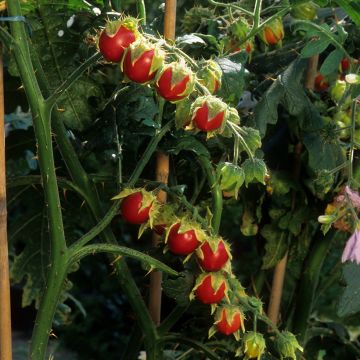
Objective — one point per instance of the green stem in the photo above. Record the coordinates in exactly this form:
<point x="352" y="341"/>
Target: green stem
<point x="116" y="5"/>
<point x="97" y="229"/>
<point x="352" y="145"/>
<point x="308" y="285"/>
<point x="257" y="12"/>
<point x="172" y="318"/>
<point x="231" y="5"/>
<point x="81" y="179"/>
<point x="141" y="10"/>
<point x="76" y="254"/>
<point x="194" y="344"/>
<point x="215" y="190"/>
<point x="41" y="122"/>
<point x="50" y="101"/>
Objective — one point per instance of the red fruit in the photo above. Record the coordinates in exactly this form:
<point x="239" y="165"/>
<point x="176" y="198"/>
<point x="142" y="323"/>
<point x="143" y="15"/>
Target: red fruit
<point x="130" y="209"/>
<point x="213" y="261"/>
<point x="217" y="86"/>
<point x="202" y="122"/>
<point x="345" y="64"/>
<point x="321" y="83"/>
<point x="182" y="243"/>
<point x="229" y="326"/>
<point x="139" y="70"/>
<point x="113" y="44"/>
<point x="270" y="37"/>
<point x="206" y="293"/>
<point x="175" y="82"/>
<point x="272" y="33"/>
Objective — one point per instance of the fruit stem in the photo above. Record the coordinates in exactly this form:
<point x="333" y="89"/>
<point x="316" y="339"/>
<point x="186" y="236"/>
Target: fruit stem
<point x="141" y="10"/>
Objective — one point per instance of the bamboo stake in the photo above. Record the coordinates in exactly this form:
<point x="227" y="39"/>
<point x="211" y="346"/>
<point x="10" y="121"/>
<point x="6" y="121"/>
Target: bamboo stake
<point x="280" y="268"/>
<point x="5" y="308"/>
<point x="162" y="173"/>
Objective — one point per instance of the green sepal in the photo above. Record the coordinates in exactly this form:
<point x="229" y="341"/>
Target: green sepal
<point x="182" y="114"/>
<point x="129" y="22"/>
<point x="209" y="74"/>
<point x="139" y="47"/>
<point x="187" y="224"/>
<point x="255" y="169"/>
<point x="217" y="279"/>
<point x="287" y="345"/>
<point x="148" y="199"/>
<point x="213" y="242"/>
<point x="231" y="311"/>
<point x="230" y="177"/>
<point x="179" y="71"/>
<point x="254" y="345"/>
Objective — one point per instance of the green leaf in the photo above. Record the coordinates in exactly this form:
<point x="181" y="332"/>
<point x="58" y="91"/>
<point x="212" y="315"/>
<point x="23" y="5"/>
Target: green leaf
<point x="233" y="80"/>
<point x="352" y="8"/>
<point x="349" y="303"/>
<point x="74" y="108"/>
<point x="314" y="47"/>
<point x="255" y="170"/>
<point x="286" y="90"/>
<point x="251" y="137"/>
<point x="275" y="247"/>
<point x="190" y="143"/>
<point x="179" y="288"/>
<point x="331" y="63"/>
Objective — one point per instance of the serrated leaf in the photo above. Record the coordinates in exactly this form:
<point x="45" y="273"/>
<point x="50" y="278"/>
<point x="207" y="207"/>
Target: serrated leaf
<point x="314" y="47"/>
<point x="349" y="303"/>
<point x="255" y="170"/>
<point x="179" y="288"/>
<point x="251" y="137"/>
<point x="275" y="247"/>
<point x="190" y="143"/>
<point x="233" y="80"/>
<point x="331" y="63"/>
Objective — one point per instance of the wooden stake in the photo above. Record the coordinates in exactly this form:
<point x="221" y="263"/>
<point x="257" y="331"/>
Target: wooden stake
<point x="162" y="173"/>
<point x="280" y="268"/>
<point x="5" y="308"/>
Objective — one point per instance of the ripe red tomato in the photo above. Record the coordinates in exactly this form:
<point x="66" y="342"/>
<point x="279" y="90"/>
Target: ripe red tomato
<point x="130" y="209"/>
<point x="345" y="64"/>
<point x="202" y="121"/>
<point x="213" y="261"/>
<point x="206" y="293"/>
<point x="182" y="243"/>
<point x="170" y="91"/>
<point x="229" y="326"/>
<point x="112" y="46"/>
<point x="139" y="70"/>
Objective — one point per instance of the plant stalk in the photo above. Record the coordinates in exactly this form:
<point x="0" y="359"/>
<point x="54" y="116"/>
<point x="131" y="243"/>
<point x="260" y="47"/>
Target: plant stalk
<point x="5" y="305"/>
<point x="41" y="122"/>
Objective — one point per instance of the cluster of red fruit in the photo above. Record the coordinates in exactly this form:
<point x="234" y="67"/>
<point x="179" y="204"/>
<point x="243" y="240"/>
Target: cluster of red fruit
<point x="143" y="61"/>
<point x="184" y="237"/>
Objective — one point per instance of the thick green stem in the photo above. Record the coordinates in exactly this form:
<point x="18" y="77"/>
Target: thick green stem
<point x="215" y="190"/>
<point x="308" y="285"/>
<point x="41" y="122"/>
<point x="141" y="10"/>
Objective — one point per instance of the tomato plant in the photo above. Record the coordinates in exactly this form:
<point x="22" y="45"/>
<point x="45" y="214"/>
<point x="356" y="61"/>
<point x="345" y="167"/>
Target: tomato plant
<point x="256" y="186"/>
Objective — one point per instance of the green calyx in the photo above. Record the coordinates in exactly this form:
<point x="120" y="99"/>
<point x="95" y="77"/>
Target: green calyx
<point x="217" y="280"/>
<point x="209" y="75"/>
<point x="287" y="345"/>
<point x="148" y="200"/>
<point x="179" y="71"/>
<point x="305" y="11"/>
<point x="187" y="224"/>
<point x="238" y="30"/>
<point x="128" y="22"/>
<point x="230" y="177"/>
<point x="140" y="46"/>
<point x="254" y="345"/>
<point x="276" y="28"/>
